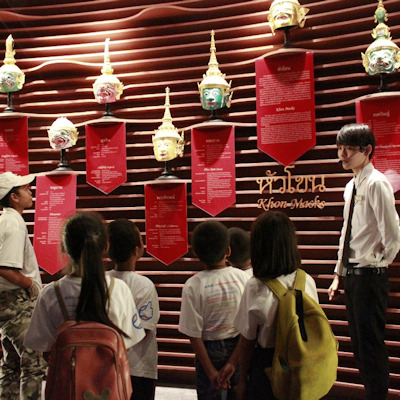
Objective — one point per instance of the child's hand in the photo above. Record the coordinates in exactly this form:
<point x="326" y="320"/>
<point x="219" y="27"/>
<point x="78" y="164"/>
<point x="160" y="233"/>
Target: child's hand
<point x="34" y="290"/>
<point x="224" y="376"/>
<point x="213" y="377"/>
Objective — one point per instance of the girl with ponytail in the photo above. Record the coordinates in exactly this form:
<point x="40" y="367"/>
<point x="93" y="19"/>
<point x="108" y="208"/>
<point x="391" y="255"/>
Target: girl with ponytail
<point x="86" y="290"/>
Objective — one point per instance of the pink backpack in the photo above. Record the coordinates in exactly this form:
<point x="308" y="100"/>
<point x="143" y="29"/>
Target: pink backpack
<point x="88" y="361"/>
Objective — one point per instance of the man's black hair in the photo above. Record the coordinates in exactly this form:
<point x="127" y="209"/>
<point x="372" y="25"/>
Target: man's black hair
<point x="357" y="135"/>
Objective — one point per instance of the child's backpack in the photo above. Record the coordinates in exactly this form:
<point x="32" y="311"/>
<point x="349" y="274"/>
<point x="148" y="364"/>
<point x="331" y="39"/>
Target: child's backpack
<point x="88" y="361"/>
<point x="305" y="361"/>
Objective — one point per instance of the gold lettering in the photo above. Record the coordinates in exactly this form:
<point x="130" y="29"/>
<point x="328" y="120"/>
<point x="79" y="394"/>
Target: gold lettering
<point x="290" y="189"/>
<point x="268" y="204"/>
<point x="300" y="179"/>
<point x="303" y="184"/>
<point x="269" y="180"/>
<point x="301" y="203"/>
<point x="321" y="187"/>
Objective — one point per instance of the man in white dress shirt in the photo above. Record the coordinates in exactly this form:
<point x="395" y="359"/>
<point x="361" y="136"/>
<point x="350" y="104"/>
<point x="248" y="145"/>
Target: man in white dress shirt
<point x="371" y="225"/>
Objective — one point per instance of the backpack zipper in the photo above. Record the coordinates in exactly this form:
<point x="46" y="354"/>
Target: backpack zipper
<point x="73" y="363"/>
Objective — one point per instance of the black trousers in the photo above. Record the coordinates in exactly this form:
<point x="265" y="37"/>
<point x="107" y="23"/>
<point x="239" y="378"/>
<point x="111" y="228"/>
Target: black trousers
<point x="366" y="302"/>
<point x="258" y="385"/>
<point x="143" y="388"/>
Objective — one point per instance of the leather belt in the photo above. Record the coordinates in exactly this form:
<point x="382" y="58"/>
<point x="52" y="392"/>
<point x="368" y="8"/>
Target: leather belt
<point x="366" y="271"/>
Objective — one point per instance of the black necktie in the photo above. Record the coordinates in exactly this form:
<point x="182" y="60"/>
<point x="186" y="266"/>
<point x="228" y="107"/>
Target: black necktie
<point x="346" y="245"/>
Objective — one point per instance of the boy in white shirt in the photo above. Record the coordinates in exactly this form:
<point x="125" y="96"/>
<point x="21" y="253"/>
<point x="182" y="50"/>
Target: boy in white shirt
<point x="240" y="250"/>
<point x="22" y="369"/>
<point x="126" y="248"/>
<point x="210" y="300"/>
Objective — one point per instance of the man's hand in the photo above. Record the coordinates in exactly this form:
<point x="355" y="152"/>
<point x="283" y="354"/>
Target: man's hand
<point x="333" y="290"/>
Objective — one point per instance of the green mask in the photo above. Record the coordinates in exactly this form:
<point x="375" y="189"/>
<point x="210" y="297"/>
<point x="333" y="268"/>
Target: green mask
<point x="212" y="99"/>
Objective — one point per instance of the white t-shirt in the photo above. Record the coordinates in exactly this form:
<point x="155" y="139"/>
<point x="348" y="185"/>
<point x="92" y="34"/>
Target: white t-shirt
<point x="47" y="316"/>
<point x="210" y="300"/>
<point x="16" y="249"/>
<point x="248" y="272"/>
<point x="256" y="317"/>
<point x="143" y="356"/>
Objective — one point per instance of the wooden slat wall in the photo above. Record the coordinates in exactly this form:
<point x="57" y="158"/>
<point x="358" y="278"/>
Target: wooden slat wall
<point x="166" y="43"/>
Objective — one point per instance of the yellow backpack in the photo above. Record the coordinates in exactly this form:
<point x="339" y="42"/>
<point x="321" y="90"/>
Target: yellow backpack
<point x="305" y="361"/>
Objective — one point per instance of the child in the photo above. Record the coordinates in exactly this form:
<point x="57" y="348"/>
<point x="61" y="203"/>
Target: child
<point x="22" y="370"/>
<point x="85" y="290"/>
<point x="126" y="248"/>
<point x="210" y="300"/>
<point x="240" y="250"/>
<point x="274" y="254"/>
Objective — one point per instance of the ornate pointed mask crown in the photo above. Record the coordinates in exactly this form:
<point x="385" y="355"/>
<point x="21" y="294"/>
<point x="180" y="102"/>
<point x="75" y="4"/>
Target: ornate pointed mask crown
<point x="168" y="144"/>
<point x="107" y="88"/>
<point x="382" y="55"/>
<point x="214" y="79"/>
<point x="11" y="77"/>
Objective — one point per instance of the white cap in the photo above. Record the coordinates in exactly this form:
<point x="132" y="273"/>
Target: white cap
<point x="8" y="180"/>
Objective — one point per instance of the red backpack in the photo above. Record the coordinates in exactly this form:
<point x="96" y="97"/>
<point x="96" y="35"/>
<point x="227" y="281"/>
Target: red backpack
<point x="88" y="361"/>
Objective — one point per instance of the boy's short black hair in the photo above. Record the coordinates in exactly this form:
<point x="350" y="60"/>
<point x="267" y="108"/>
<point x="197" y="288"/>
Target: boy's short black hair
<point x="124" y="237"/>
<point x="5" y="201"/>
<point x="273" y="245"/>
<point x="240" y="246"/>
<point x="210" y="242"/>
<point x="356" y="135"/>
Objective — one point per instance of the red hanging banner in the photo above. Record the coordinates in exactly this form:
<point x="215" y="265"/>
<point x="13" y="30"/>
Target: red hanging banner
<point x="55" y="200"/>
<point x="213" y="169"/>
<point x="14" y="145"/>
<point x="285" y="105"/>
<point x="106" y="156"/>
<point x="166" y="221"/>
<point x="381" y="111"/>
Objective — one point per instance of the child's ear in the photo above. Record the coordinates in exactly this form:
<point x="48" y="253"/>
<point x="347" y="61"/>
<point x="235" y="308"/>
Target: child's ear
<point x="228" y="251"/>
<point x="13" y="198"/>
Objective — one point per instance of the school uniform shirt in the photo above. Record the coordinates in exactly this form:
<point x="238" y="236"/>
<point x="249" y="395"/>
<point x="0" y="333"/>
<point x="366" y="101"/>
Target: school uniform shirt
<point x="143" y="356"/>
<point x="210" y="300"/>
<point x="47" y="316"/>
<point x="375" y="232"/>
<point x="16" y="250"/>
<point x="256" y="317"/>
